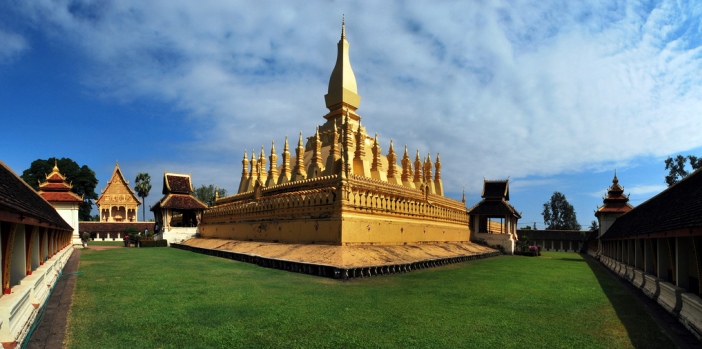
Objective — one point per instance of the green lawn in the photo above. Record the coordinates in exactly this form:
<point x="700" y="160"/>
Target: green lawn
<point x="168" y="298"/>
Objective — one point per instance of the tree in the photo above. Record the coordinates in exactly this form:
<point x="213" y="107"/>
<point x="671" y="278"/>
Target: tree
<point x="81" y="177"/>
<point x="559" y="214"/>
<point x="206" y="194"/>
<point x="594" y="225"/>
<point x="676" y="167"/>
<point x="142" y="185"/>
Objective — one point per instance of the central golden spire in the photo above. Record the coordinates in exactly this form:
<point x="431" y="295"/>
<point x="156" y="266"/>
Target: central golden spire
<point x="342" y="83"/>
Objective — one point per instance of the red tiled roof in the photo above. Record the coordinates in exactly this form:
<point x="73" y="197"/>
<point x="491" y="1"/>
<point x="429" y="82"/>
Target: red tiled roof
<point x="54" y="186"/>
<point x="57" y="196"/>
<point x="18" y="198"/>
<point x="180" y="202"/>
<point x="176" y="183"/>
<point x="114" y="227"/>
<point x="55" y="189"/>
<point x="615" y="201"/>
<point x="55" y="177"/>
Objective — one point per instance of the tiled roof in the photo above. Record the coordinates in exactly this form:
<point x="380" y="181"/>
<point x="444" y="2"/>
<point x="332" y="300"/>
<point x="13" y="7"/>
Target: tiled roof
<point x="615" y="201"/>
<point x="496" y="189"/>
<point x="493" y="208"/>
<point x="18" y="198"/>
<point x="180" y="202"/>
<point x="58" y="196"/>
<point x="566" y="235"/>
<point x="678" y="207"/>
<point x="176" y="183"/>
<point x="113" y="227"/>
<point x="54" y="186"/>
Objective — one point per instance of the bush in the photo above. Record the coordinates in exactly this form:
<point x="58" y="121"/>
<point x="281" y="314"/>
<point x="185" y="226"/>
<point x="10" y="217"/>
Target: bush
<point x="526" y="247"/>
<point x="153" y="243"/>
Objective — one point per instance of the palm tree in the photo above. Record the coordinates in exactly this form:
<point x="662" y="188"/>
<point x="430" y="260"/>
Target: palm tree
<point x="142" y="185"/>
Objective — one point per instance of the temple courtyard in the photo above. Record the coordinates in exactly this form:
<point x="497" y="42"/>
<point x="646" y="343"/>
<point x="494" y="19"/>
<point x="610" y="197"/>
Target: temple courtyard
<point x="168" y="298"/>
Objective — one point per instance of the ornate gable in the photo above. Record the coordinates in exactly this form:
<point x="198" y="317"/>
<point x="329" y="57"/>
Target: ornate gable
<point x="118" y="202"/>
<point x="118" y="190"/>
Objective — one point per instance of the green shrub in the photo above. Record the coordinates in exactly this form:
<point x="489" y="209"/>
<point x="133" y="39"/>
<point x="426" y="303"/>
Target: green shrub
<point x="153" y="243"/>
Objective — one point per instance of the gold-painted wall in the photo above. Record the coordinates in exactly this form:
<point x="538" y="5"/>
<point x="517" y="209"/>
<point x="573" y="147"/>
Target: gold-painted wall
<point x="331" y="210"/>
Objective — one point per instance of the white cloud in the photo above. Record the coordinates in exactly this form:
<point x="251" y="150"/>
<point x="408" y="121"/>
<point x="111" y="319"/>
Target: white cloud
<point x="646" y="190"/>
<point x="12" y="45"/>
<point x="498" y="88"/>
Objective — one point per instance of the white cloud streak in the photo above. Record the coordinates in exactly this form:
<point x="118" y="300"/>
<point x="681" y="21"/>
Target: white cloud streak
<point x="498" y="88"/>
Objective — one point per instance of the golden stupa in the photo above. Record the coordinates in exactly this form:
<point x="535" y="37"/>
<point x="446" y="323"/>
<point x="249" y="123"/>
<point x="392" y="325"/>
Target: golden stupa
<point x="340" y="190"/>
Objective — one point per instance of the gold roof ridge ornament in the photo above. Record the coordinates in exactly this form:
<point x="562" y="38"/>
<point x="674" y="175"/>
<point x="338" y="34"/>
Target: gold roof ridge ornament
<point x="342" y="90"/>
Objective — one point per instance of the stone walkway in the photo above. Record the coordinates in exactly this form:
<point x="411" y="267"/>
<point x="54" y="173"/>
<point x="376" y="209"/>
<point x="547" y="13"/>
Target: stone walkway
<point x="52" y="326"/>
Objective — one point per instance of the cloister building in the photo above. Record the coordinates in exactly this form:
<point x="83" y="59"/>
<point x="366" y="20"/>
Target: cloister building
<point x="35" y="243"/>
<point x="657" y="246"/>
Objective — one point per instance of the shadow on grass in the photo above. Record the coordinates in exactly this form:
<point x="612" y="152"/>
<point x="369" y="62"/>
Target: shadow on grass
<point x="630" y="312"/>
<point x="571" y="259"/>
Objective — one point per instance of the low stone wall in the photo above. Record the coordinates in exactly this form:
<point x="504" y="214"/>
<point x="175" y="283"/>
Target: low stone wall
<point x="19" y="309"/>
<point x="179" y="234"/>
<point x="496" y="241"/>
<point x="687" y="307"/>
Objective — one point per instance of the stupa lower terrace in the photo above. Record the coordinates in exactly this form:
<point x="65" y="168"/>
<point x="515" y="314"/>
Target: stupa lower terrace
<point x="339" y="194"/>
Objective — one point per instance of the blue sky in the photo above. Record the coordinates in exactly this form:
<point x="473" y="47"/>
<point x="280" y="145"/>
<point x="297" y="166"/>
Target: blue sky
<point x="553" y="95"/>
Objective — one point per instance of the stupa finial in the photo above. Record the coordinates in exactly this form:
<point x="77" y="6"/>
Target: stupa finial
<point x="342" y="91"/>
<point x="343" y="26"/>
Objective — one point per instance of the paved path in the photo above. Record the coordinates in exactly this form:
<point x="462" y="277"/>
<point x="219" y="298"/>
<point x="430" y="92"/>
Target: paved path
<point x="52" y="326"/>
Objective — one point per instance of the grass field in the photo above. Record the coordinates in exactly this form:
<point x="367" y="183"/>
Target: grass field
<point x="168" y="298"/>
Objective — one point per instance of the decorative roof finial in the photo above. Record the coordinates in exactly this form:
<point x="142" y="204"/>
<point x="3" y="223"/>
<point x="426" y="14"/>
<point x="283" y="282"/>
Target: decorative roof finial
<point x="343" y="27"/>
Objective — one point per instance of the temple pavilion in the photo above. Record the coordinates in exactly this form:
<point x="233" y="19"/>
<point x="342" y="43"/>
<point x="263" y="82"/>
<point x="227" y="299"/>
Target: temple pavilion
<point x="58" y="193"/>
<point x="340" y="189"/>
<point x="118" y="202"/>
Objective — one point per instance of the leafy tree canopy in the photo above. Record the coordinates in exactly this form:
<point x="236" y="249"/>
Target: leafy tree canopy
<point x="82" y="178"/>
<point x="142" y="186"/>
<point x="206" y="194"/>
<point x="559" y="214"/>
<point x="676" y="167"/>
